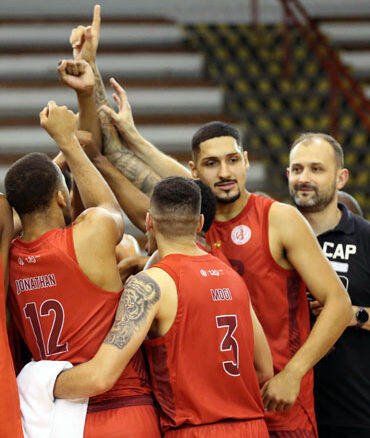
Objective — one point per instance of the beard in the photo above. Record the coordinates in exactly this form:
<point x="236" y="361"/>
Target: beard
<point x="317" y="202"/>
<point x="228" y="200"/>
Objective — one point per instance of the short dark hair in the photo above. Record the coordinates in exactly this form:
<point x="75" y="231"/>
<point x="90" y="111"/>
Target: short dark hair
<point x="175" y="206"/>
<point x="337" y="148"/>
<point x="214" y="130"/>
<point x="30" y="183"/>
<point x="208" y="204"/>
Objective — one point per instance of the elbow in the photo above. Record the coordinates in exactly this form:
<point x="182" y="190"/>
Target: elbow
<point x="101" y="384"/>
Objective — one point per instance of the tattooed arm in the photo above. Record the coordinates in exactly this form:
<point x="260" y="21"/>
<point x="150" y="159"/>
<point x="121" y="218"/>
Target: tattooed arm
<point x="84" y="41"/>
<point x="145" y="299"/>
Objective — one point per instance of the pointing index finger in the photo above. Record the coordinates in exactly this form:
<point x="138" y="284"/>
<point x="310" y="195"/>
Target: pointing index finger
<point x="96" y="20"/>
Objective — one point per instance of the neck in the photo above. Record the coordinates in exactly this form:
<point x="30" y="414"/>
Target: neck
<point x="186" y="246"/>
<point x="226" y="212"/>
<point x="326" y="219"/>
<point x="36" y="224"/>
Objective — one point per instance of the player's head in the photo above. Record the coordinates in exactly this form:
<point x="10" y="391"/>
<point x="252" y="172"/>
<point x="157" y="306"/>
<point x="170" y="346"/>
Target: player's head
<point x="315" y="171"/>
<point x="175" y="208"/>
<point x="351" y="203"/>
<point x="32" y="183"/>
<point x="219" y="160"/>
<point x="207" y="205"/>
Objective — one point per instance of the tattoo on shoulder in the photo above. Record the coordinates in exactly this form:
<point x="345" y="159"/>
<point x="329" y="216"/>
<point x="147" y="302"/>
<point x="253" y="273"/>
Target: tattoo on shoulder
<point x="138" y="297"/>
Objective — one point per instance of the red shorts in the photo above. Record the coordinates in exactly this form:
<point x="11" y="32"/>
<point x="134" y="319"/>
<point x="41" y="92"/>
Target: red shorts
<point x="223" y="429"/>
<point x="125" y="422"/>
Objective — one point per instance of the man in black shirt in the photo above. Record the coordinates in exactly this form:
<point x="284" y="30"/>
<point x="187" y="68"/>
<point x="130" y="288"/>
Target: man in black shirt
<point x="342" y="377"/>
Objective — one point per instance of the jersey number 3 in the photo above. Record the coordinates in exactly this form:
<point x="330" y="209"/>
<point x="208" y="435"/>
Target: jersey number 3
<point x="48" y="306"/>
<point x="229" y="343"/>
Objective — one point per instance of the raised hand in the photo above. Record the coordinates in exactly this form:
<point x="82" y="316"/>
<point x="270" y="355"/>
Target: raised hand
<point x="85" y="40"/>
<point x="123" y="118"/>
<point x="60" y="123"/>
<point x="77" y="75"/>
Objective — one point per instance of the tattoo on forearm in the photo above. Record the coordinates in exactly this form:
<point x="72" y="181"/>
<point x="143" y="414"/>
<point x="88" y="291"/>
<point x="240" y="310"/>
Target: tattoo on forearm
<point x="139" y="296"/>
<point x="141" y="175"/>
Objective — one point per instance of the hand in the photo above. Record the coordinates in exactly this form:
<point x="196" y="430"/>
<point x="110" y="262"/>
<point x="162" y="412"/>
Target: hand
<point x="77" y="75"/>
<point x="88" y="144"/>
<point x="123" y="118"/>
<point x="85" y="40"/>
<point x="60" y="123"/>
<point x="316" y="307"/>
<point x="280" y="392"/>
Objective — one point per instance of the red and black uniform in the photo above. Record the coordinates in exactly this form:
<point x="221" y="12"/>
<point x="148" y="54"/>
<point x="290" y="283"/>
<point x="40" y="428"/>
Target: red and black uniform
<point x="62" y="315"/>
<point x="202" y="369"/>
<point x="10" y="414"/>
<point x="279" y="299"/>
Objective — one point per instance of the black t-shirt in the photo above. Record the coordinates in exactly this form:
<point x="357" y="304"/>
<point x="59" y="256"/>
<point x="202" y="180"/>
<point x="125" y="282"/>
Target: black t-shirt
<point x="342" y="377"/>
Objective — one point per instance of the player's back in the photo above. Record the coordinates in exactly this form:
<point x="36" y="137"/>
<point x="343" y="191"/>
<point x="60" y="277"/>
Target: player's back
<point x="10" y="417"/>
<point x="59" y="312"/>
<point x="202" y="368"/>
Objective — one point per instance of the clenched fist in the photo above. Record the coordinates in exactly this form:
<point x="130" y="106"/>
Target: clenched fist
<point x="77" y="75"/>
<point x="60" y="123"/>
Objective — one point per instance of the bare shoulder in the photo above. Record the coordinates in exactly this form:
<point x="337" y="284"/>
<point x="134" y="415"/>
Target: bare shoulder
<point x="280" y="213"/>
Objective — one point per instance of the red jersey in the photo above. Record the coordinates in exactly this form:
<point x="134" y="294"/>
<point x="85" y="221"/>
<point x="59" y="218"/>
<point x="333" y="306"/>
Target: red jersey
<point x="202" y="368"/>
<point x="60" y="313"/>
<point x="278" y="296"/>
<point x="10" y="414"/>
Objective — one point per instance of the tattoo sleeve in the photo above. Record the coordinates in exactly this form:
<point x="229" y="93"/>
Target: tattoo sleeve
<point x="139" y="173"/>
<point x="138" y="298"/>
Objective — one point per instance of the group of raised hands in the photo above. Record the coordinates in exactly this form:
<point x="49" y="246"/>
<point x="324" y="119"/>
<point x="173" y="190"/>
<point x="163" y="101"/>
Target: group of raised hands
<point x="80" y="75"/>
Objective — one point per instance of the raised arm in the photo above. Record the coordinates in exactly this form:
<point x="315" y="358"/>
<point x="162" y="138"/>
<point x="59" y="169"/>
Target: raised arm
<point x="164" y="165"/>
<point x="304" y="254"/>
<point x="136" y="311"/>
<point x="132" y="200"/>
<point x="84" y="41"/>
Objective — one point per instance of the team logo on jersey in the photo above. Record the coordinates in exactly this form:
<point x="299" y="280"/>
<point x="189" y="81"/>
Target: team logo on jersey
<point x="20" y="261"/>
<point x="203" y="272"/>
<point x="241" y="234"/>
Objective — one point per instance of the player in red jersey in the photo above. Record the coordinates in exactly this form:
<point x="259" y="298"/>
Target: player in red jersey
<point x="64" y="282"/>
<point x="10" y="415"/>
<point x="205" y="341"/>
<point x="273" y="248"/>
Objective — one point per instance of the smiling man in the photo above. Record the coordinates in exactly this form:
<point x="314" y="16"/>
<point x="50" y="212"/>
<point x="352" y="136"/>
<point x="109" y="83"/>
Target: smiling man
<point x="273" y="248"/>
<point x="342" y="377"/>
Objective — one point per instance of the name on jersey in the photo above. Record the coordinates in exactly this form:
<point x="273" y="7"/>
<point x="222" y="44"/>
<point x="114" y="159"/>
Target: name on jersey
<point x="338" y="251"/>
<point x="33" y="283"/>
<point x="223" y="294"/>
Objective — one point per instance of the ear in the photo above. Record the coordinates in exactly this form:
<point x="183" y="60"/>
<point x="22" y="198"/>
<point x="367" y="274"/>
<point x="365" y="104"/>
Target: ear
<point x="245" y="155"/>
<point x="193" y="169"/>
<point x="343" y="175"/>
<point x="200" y="223"/>
<point x="61" y="200"/>
<point x="148" y="221"/>
<point x="287" y="172"/>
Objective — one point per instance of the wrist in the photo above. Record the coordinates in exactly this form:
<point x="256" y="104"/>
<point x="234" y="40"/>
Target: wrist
<point x="86" y="93"/>
<point x="294" y="370"/>
<point x="65" y="142"/>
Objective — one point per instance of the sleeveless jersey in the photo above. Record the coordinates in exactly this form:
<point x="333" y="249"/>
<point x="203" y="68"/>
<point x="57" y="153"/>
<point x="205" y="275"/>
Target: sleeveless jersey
<point x="278" y="296"/>
<point x="10" y="414"/>
<point x="60" y="313"/>
<point x="202" y="368"/>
